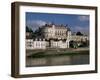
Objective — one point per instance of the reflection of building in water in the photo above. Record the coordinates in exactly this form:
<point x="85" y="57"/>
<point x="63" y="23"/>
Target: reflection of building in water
<point x="53" y="36"/>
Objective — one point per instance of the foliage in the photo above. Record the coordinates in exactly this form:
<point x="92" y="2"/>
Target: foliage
<point x="35" y="33"/>
<point x="79" y="33"/>
<point x="73" y="44"/>
<point x="28" y="29"/>
<point x="38" y="32"/>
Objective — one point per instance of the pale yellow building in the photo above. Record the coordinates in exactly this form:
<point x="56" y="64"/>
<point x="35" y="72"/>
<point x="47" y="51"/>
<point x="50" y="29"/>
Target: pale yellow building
<point x="79" y="38"/>
<point x="56" y="32"/>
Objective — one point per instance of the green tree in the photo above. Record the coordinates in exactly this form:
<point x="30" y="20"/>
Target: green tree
<point x="28" y="29"/>
<point x="79" y="33"/>
<point x="73" y="44"/>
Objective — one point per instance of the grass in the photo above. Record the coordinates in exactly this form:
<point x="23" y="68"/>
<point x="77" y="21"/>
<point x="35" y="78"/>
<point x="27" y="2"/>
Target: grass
<point x="43" y="54"/>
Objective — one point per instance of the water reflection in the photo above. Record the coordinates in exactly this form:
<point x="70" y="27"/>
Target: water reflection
<point x="58" y="60"/>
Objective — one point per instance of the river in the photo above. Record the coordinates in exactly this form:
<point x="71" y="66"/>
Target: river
<point x="58" y="60"/>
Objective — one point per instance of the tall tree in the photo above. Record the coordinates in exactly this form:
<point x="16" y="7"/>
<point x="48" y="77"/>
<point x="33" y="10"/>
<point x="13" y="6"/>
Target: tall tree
<point x="28" y="29"/>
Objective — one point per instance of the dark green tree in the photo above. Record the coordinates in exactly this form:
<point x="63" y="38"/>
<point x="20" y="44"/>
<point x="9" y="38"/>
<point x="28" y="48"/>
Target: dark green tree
<point x="28" y="29"/>
<point x="73" y="44"/>
<point x="79" y="33"/>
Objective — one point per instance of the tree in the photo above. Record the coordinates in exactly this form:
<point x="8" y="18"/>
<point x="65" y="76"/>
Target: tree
<point x="79" y="33"/>
<point x="37" y="33"/>
<point x="73" y="44"/>
<point x="28" y="29"/>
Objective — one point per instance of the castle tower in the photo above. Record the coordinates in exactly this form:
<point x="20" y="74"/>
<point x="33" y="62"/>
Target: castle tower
<point x="68" y="34"/>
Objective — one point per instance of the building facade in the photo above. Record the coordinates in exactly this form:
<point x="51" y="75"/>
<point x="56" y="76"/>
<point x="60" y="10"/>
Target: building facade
<point x="79" y="38"/>
<point x="56" y="32"/>
<point x="43" y="44"/>
<point x="35" y="44"/>
<point x="54" y="36"/>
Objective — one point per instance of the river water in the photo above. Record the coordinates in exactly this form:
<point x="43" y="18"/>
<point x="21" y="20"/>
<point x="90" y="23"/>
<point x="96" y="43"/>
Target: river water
<point x="58" y="60"/>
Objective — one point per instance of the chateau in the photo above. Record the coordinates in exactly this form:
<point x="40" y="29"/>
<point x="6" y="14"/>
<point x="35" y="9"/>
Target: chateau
<point x="56" y="32"/>
<point x="53" y="36"/>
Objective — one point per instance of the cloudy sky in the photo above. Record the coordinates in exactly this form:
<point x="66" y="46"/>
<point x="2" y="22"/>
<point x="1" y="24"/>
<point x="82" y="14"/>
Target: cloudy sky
<point x="75" y="22"/>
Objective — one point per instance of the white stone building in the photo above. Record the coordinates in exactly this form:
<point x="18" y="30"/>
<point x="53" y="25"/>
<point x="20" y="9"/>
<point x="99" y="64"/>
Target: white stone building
<point x="56" y="32"/>
<point x="79" y="38"/>
<point x="42" y="44"/>
<point x="35" y="44"/>
<point x="60" y="44"/>
<point x="54" y="36"/>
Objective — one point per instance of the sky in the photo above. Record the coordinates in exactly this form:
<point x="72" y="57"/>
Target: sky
<point x="74" y="21"/>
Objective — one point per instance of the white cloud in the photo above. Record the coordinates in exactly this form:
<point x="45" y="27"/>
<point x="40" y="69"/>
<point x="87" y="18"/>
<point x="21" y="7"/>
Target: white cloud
<point x="35" y="24"/>
<point x="83" y="18"/>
